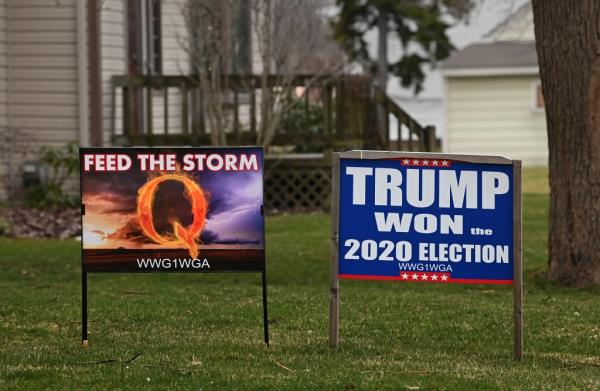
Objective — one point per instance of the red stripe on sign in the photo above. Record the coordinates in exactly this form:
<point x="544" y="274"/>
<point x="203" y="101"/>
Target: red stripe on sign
<point x="479" y="281"/>
<point x="367" y="277"/>
<point x="399" y="278"/>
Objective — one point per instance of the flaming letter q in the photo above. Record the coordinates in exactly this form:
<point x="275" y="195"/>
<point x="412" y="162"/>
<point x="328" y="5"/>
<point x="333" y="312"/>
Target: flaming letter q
<point x="184" y="237"/>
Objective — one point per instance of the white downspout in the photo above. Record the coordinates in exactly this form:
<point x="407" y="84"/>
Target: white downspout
<point x="82" y="74"/>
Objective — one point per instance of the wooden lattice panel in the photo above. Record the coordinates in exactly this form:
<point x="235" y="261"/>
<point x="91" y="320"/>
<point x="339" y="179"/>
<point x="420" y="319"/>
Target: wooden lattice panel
<point x="297" y="184"/>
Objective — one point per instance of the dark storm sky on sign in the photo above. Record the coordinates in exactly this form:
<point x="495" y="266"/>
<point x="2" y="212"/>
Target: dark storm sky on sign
<point x="234" y="202"/>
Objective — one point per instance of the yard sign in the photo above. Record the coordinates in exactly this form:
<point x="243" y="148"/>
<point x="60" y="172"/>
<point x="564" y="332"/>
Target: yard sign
<point x="426" y="218"/>
<point x="172" y="210"/>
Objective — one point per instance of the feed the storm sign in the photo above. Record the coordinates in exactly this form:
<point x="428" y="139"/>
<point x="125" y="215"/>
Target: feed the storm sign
<point x="426" y="218"/>
<point x="172" y="210"/>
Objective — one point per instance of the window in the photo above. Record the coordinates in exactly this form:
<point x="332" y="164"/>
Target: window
<point x="538" y="97"/>
<point x="155" y="37"/>
<point x="144" y="42"/>
<point x="144" y="52"/>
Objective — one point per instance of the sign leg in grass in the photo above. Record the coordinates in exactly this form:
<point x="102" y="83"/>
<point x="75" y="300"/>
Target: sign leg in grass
<point x="173" y="210"/>
<point x="426" y="218"/>
<point x="84" y="311"/>
<point x="518" y="262"/>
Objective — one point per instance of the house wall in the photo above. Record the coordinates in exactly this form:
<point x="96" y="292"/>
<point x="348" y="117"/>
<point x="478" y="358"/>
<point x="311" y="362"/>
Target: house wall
<point x="39" y="91"/>
<point x="3" y="93"/>
<point x="114" y="62"/>
<point x="496" y="116"/>
<point x="42" y="56"/>
<point x="39" y="85"/>
<point x="113" y="46"/>
<point x="3" y="69"/>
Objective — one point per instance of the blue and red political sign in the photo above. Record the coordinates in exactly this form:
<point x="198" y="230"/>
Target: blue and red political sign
<point x="433" y="218"/>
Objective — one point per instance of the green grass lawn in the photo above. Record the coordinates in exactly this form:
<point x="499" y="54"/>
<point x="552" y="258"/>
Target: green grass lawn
<point x="205" y="331"/>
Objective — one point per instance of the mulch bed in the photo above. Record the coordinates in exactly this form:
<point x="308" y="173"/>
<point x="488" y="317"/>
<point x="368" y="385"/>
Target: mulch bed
<point x="22" y="222"/>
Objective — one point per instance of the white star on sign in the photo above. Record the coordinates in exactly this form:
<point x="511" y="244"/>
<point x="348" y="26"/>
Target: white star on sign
<point x="423" y="276"/>
<point x="434" y="277"/>
<point x="416" y="162"/>
<point x="415" y="276"/>
<point x="435" y="162"/>
<point x="425" y="162"/>
<point x="405" y="161"/>
<point x="444" y="277"/>
<point x="404" y="276"/>
<point x="444" y="162"/>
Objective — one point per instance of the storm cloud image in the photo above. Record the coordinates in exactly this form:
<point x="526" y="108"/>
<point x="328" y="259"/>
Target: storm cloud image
<point x="233" y="216"/>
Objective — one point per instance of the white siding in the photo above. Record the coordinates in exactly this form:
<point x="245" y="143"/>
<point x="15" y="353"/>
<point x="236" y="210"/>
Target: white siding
<point x="495" y="115"/>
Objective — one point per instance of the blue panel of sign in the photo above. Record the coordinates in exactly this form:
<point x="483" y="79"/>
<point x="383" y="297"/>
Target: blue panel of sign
<point x="426" y="220"/>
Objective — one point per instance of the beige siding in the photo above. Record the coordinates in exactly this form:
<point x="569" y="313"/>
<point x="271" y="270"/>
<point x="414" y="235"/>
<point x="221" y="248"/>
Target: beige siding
<point x="3" y="69"/>
<point x="39" y="88"/>
<point x="495" y="115"/>
<point x="42" y="56"/>
<point x="114" y="60"/>
<point x="3" y="94"/>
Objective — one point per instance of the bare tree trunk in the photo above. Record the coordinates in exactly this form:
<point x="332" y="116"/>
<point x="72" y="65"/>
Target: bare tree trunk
<point x="382" y="55"/>
<point x="292" y="39"/>
<point x="568" y="45"/>
<point x="382" y="75"/>
<point x="266" y="58"/>
<point x="207" y="43"/>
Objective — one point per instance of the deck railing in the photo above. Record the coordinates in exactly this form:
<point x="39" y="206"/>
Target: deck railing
<point x="331" y="113"/>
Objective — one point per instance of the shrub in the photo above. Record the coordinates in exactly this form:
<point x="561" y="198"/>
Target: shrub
<point x="57" y="164"/>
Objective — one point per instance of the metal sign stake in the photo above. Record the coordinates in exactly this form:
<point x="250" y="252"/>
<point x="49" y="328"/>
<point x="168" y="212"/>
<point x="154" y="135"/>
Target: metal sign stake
<point x="84" y="311"/>
<point x="518" y="263"/>
<point x="265" y="311"/>
<point x="334" y="291"/>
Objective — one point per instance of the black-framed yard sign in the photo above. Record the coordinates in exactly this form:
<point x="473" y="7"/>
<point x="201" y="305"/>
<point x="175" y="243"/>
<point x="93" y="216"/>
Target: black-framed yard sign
<point x="172" y="210"/>
<point x="426" y="218"/>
